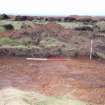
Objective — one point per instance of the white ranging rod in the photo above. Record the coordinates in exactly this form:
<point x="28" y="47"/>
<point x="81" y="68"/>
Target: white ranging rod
<point x="91" y="49"/>
<point x="46" y="59"/>
<point x="37" y="59"/>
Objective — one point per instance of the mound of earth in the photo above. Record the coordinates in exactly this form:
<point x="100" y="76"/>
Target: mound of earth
<point x="54" y="27"/>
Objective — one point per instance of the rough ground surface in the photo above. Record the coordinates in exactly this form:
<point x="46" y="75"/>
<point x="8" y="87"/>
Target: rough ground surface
<point x="80" y="78"/>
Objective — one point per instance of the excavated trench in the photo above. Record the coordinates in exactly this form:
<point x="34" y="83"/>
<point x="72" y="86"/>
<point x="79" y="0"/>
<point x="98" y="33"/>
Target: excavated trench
<point x="81" y="78"/>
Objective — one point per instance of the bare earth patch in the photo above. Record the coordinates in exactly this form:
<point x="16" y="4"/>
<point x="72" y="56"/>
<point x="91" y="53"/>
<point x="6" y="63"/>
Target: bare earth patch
<point x="78" y="79"/>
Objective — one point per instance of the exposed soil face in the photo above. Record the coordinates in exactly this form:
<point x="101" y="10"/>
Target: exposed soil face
<point x="80" y="78"/>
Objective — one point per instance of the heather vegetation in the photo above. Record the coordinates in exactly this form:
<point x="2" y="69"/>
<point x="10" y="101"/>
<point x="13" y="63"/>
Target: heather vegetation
<point x="72" y="33"/>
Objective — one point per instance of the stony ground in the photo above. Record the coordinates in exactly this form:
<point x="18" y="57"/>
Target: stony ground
<point x="78" y="78"/>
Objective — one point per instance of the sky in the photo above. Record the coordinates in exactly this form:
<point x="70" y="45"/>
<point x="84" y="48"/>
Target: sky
<point x="53" y="7"/>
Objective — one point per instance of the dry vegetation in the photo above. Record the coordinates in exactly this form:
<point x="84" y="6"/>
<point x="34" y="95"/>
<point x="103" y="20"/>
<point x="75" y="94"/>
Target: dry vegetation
<point x="11" y="96"/>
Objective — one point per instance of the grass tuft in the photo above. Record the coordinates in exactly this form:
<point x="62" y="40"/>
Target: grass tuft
<point x="18" y="97"/>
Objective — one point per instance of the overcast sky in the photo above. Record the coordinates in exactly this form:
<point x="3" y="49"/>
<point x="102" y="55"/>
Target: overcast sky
<point x="53" y="7"/>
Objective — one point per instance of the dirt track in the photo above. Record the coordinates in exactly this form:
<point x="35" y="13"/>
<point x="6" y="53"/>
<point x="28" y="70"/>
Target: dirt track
<point x="80" y="78"/>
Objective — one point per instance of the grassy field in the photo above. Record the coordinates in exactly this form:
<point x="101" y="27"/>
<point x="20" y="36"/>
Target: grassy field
<point x="70" y="24"/>
<point x="17" y="24"/>
<point x="46" y="43"/>
<point x="6" y="41"/>
<point x="51" y="42"/>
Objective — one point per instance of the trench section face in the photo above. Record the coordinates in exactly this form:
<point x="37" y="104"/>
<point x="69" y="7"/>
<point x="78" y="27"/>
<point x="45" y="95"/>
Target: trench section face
<point x="80" y="78"/>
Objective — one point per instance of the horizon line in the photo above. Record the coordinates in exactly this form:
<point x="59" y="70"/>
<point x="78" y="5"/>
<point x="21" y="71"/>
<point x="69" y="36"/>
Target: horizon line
<point x="49" y="15"/>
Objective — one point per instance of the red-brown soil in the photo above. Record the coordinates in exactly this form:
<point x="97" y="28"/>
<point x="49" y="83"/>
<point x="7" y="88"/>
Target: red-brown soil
<point x="80" y="78"/>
